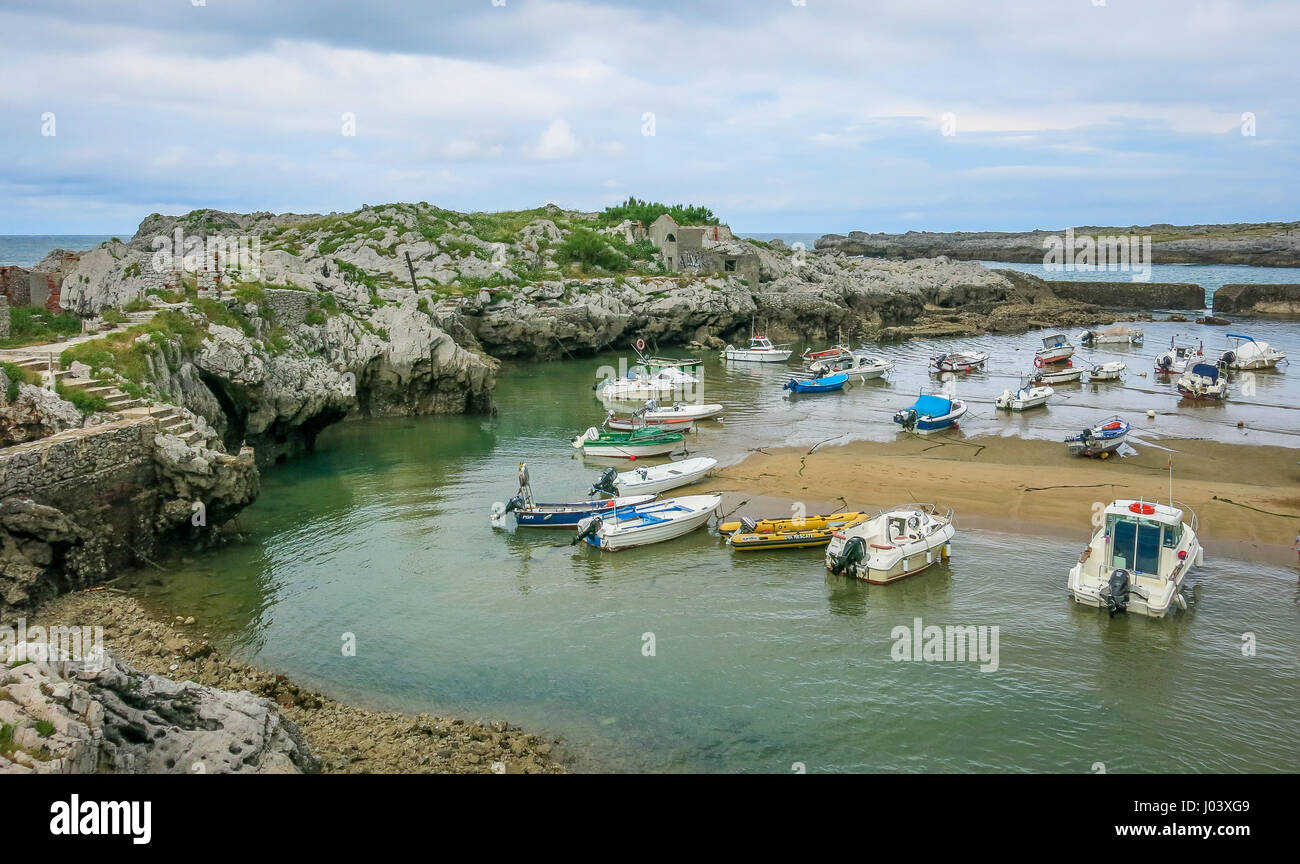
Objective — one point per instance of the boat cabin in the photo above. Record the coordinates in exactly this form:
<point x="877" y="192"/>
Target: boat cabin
<point x="1056" y="341"/>
<point x="1142" y="537"/>
<point x="760" y="343"/>
<point x="930" y="405"/>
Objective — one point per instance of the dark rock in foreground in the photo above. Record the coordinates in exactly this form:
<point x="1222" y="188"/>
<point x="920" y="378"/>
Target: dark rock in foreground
<point x="1280" y="300"/>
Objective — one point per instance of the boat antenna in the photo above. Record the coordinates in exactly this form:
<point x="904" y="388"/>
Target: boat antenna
<point x="1171" y="480"/>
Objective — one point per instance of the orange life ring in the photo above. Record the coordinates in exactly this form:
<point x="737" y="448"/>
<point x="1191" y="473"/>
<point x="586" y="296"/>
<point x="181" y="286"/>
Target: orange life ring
<point x="1038" y="361"/>
<point x="640" y="344"/>
<point x="1144" y="509"/>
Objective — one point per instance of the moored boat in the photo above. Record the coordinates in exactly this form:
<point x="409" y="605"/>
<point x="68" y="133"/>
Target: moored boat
<point x="899" y="542"/>
<point x="530" y="515"/>
<point x="636" y="387"/>
<point x="825" y="384"/>
<point x="654" y="478"/>
<point x="1176" y="359"/>
<point x="646" y="441"/>
<point x="644" y="524"/>
<point x="1025" y="397"/>
<point x="1099" y="440"/>
<point x="760" y="350"/>
<point x="1137" y="559"/>
<point x="1059" y="375"/>
<point x="685" y="365"/>
<point x="638" y="420"/>
<point x="1111" y="371"/>
<point x="1203" y="381"/>
<point x="930" y="413"/>
<point x="694" y="410"/>
<point x="1117" y="335"/>
<point x="1056" y="349"/>
<point x="859" y="364"/>
<point x="959" y="361"/>
<point x="1249" y="353"/>
<point x="797" y="533"/>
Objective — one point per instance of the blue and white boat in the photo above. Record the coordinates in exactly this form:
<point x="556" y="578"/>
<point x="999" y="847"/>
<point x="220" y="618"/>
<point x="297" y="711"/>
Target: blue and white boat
<point x="1204" y="381"/>
<point x="643" y="524"/>
<point x="1104" y="438"/>
<point x="930" y="413"/>
<point x="824" y="384"/>
<point x="530" y="515"/>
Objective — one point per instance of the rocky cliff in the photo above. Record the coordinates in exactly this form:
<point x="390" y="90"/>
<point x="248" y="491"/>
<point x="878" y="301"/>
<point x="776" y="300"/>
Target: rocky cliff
<point x="1278" y="300"/>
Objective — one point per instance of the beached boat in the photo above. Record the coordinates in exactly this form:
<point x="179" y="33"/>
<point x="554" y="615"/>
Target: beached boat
<point x="649" y="523"/>
<point x="1137" y="559"/>
<point x="637" y="420"/>
<point x="930" y="413"/>
<point x="1056" y="349"/>
<point x="1250" y="353"/>
<point x="695" y="411"/>
<point x="636" y="387"/>
<point x="646" y="441"/>
<point x="1117" y="335"/>
<point x="1059" y="375"/>
<point x="530" y="515"/>
<point x="1025" y="397"/>
<point x="760" y="350"/>
<point x="1176" y="359"/>
<point x="753" y="534"/>
<point x="859" y="364"/>
<point x="959" y="361"/>
<point x="1102" y="439"/>
<point x="1203" y="381"/>
<point x="1111" y="371"/>
<point x="899" y="542"/>
<point x="825" y="384"/>
<point x="653" y="478"/>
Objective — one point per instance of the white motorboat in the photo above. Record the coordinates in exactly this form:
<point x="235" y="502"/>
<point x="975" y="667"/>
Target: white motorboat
<point x="899" y="542"/>
<point x="1250" y="353"/>
<point x="637" y="387"/>
<point x="1203" y="381"/>
<point x="647" y="523"/>
<point x="1112" y="371"/>
<point x="1060" y="375"/>
<point x="931" y="412"/>
<point x="1025" y="397"/>
<point x="1137" y="559"/>
<point x="959" y="361"/>
<point x="636" y="420"/>
<point x="1117" y="335"/>
<point x="860" y="364"/>
<point x="1056" y="349"/>
<point x="1176" y="359"/>
<point x="760" y="350"/>
<point x="654" y="478"/>
<point x="1100" y="440"/>
<point x="678" y="410"/>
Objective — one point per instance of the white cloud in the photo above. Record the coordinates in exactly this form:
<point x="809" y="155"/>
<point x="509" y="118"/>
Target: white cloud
<point x="557" y="141"/>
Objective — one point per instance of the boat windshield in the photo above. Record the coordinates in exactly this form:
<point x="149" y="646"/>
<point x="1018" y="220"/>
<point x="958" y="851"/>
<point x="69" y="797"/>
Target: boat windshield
<point x="1135" y="544"/>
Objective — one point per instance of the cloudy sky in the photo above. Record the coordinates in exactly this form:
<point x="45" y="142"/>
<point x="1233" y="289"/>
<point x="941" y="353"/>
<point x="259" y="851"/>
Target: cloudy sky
<point x="782" y="115"/>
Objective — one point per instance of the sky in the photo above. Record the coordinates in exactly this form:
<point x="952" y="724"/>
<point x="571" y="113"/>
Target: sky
<point x="781" y="115"/>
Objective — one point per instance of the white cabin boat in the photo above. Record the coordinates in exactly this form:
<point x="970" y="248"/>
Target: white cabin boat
<point x="1061" y="375"/>
<point x="1137" y="560"/>
<point x="1056" y="349"/>
<point x="1203" y="381"/>
<point x="959" y="361"/>
<point x="1249" y="353"/>
<point x="1112" y="371"/>
<point x="647" y="523"/>
<point x="654" y="478"/>
<point x="692" y="410"/>
<point x="1025" y="397"/>
<point x="1176" y="359"/>
<point x="639" y="387"/>
<point x="760" y="350"/>
<point x="1117" y="335"/>
<point x="860" y="364"/>
<point x="897" y="543"/>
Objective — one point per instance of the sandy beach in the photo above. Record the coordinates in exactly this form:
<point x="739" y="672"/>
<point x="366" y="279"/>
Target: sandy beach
<point x="1247" y="498"/>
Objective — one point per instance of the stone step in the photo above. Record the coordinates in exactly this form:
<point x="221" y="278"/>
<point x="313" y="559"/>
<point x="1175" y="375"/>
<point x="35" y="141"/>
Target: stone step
<point x="119" y="405"/>
<point x="193" y="437"/>
<point x="174" y="423"/>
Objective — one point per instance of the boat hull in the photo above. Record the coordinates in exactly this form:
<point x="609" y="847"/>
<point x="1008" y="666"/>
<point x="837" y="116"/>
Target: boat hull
<point x="613" y="538"/>
<point x="628" y="451"/>
<point x="744" y="355"/>
<point x="674" y="424"/>
<point x="661" y="478"/>
<point x="569" y="515"/>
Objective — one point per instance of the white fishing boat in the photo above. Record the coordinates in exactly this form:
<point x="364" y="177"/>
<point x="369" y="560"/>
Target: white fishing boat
<point x="1137" y="559"/>
<point x="860" y="364"/>
<point x="636" y="387"/>
<point x="647" y="523"/>
<point x="959" y="361"/>
<point x="1056" y="349"/>
<point x="1203" y="381"/>
<point x="1117" y="335"/>
<point x="637" y="419"/>
<point x="1248" y="353"/>
<point x="654" y="478"/>
<point x="1101" y="440"/>
<point x="695" y="411"/>
<point x="1025" y="397"/>
<point x="899" y="542"/>
<point x="1111" y="371"/>
<point x="760" y="350"/>
<point x="1176" y="359"/>
<point x="1060" y="375"/>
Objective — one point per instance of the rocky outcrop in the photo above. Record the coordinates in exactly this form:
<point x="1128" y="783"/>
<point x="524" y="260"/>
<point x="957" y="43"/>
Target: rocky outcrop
<point x="1271" y="244"/>
<point x="1133" y="295"/>
<point x="66" y="713"/>
<point x="35" y="413"/>
<point x="1279" y="300"/>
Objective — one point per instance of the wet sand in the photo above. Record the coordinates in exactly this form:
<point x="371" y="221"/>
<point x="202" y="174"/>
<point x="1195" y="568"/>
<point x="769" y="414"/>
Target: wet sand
<point x="1247" y="497"/>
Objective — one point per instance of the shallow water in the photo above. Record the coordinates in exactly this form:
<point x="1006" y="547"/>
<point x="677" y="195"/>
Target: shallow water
<point x="761" y="660"/>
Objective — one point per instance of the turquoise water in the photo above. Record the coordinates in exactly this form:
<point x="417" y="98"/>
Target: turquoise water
<point x="26" y="250"/>
<point x="761" y="661"/>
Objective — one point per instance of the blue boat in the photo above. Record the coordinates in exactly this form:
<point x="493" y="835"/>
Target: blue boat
<point x="825" y="384"/>
<point x="530" y="515"/>
<point x="930" y="413"/>
<point x="1104" y="438"/>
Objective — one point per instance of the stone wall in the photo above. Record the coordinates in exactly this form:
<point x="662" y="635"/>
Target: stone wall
<point x="15" y="284"/>
<point x="1132" y="295"/>
<point x="289" y="307"/>
<point x="1282" y="300"/>
<point x="4" y="318"/>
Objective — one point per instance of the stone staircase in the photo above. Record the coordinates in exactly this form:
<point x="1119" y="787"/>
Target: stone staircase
<point x="169" y="419"/>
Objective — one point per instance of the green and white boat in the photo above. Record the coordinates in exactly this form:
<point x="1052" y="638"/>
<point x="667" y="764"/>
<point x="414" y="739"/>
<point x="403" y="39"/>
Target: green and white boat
<point x="647" y="441"/>
<point x="655" y="365"/>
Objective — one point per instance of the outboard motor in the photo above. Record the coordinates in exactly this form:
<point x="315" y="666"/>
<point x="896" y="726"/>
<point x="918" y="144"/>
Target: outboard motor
<point x="938" y="361"/>
<point x="908" y="418"/>
<point x="515" y="503"/>
<point x="789" y="385"/>
<point x="586" y="528"/>
<point x="1087" y="336"/>
<point x="606" y="483"/>
<point x="749" y="524"/>
<point x="1116" y="593"/>
<point x="852" y="553"/>
<point x="1164" y="361"/>
<point x="1227" y="358"/>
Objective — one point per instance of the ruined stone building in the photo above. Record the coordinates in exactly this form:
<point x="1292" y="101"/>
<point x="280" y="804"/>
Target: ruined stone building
<point x="703" y="249"/>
